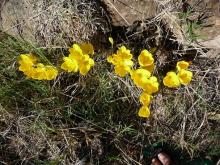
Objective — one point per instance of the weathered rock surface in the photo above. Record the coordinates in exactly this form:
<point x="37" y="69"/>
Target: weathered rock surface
<point x="210" y="31"/>
<point x="16" y="19"/>
<point x="126" y="12"/>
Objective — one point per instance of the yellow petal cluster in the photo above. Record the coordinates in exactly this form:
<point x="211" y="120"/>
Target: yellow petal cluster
<point x="32" y="69"/>
<point x="79" y="59"/>
<point x="141" y="77"/>
<point x="146" y="60"/>
<point x="122" y="61"/>
<point x="145" y="98"/>
<point x="171" y="80"/>
<point x="182" y="65"/>
<point x="149" y="85"/>
<point x="183" y="76"/>
<point x="87" y="48"/>
<point x="144" y="111"/>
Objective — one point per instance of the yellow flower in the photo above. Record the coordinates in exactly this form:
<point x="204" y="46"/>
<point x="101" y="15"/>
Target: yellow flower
<point x="144" y="111"/>
<point x="150" y="68"/>
<point x="145" y="58"/>
<point x="122" y="70"/>
<point x="122" y="61"/>
<point x="185" y="76"/>
<point x="182" y="65"/>
<point x="151" y="85"/>
<point x="30" y="72"/>
<point x="87" y="48"/>
<point x="86" y="64"/>
<point x="140" y="77"/>
<point x="145" y="98"/>
<point x="171" y="80"/>
<point x="70" y="64"/>
<point x="124" y="53"/>
<point x="36" y="70"/>
<point x="39" y="72"/>
<point x="51" y="72"/>
<point x="26" y="62"/>
<point x="112" y="59"/>
<point x="30" y="57"/>
<point x="76" y="53"/>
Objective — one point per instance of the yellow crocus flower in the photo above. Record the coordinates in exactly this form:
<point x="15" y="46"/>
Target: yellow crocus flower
<point x="182" y="65"/>
<point x="144" y="111"/>
<point x="171" y="80"/>
<point x="185" y="76"/>
<point x="51" y="72"/>
<point x="121" y="70"/>
<point x="26" y="62"/>
<point x="76" y="53"/>
<point x="145" y="98"/>
<point x="151" y="85"/>
<point x="85" y="64"/>
<point x="124" y="53"/>
<point x="150" y="68"/>
<point x="70" y="64"/>
<point x="140" y="77"/>
<point x="87" y="48"/>
<point x="39" y="72"/>
<point x="145" y="58"/>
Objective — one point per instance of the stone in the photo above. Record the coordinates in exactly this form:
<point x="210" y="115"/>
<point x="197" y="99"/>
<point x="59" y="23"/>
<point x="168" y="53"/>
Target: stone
<point x="126" y="12"/>
<point x="209" y="33"/>
<point x="16" y="19"/>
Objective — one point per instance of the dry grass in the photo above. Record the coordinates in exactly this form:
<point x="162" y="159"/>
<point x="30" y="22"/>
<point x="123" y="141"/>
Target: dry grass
<point x="55" y="23"/>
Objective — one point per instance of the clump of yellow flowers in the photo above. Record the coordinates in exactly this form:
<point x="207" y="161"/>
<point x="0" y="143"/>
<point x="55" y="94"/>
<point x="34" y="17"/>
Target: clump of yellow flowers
<point x="141" y="76"/>
<point x="183" y="76"/>
<point x="32" y="69"/>
<point x="122" y="61"/>
<point x="79" y="59"/>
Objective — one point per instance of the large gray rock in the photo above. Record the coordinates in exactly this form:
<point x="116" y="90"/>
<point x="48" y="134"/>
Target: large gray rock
<point x="126" y="12"/>
<point x="207" y="31"/>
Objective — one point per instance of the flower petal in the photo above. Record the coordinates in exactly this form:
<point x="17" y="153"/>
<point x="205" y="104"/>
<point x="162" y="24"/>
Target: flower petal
<point x="145" y="58"/>
<point x="171" y="80"/>
<point x="87" y="48"/>
<point x="144" y="112"/>
<point x="185" y="76"/>
<point x="182" y="65"/>
<point x="145" y="98"/>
